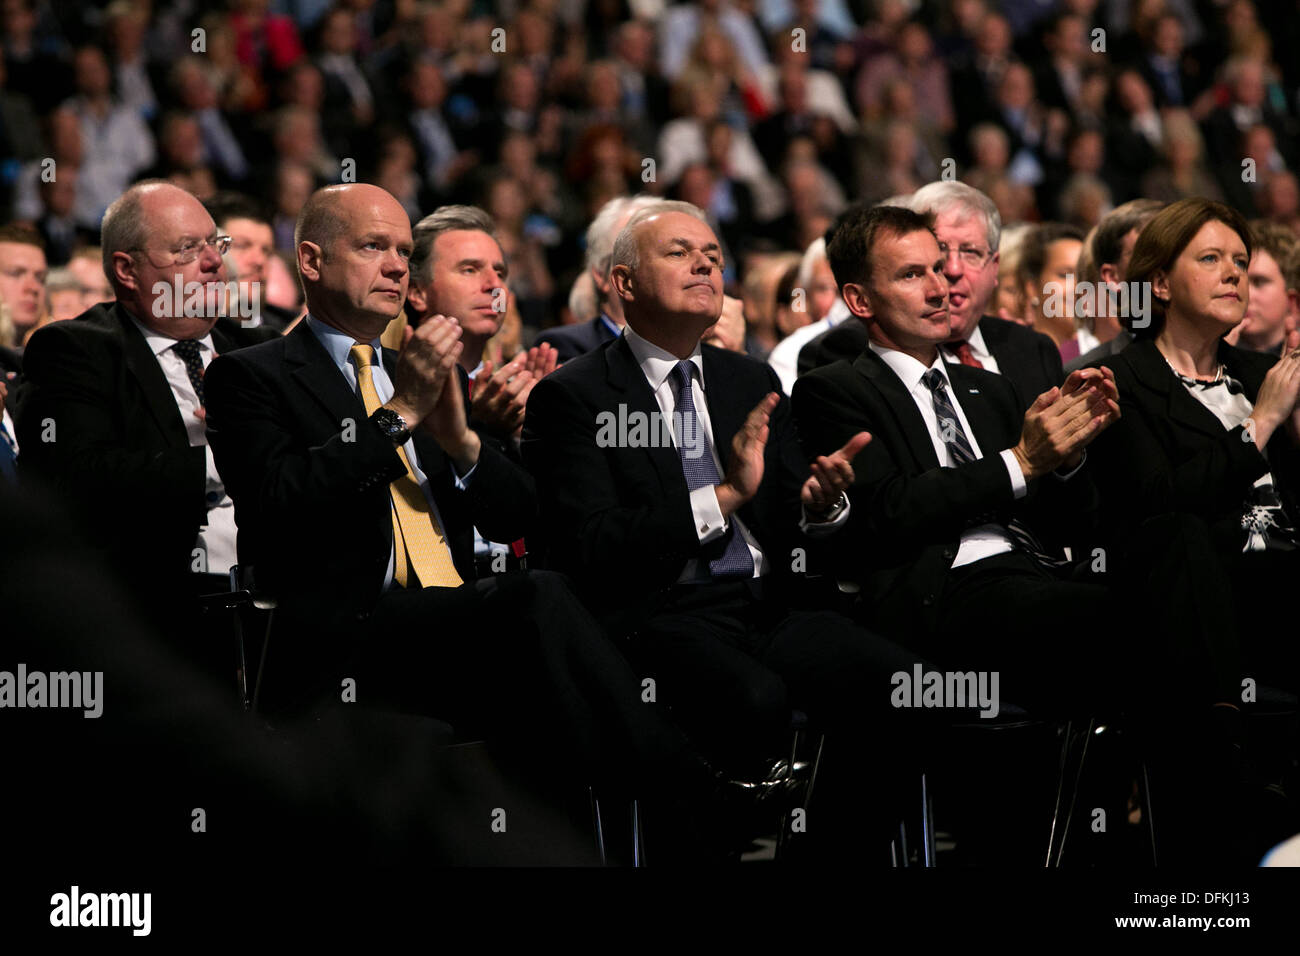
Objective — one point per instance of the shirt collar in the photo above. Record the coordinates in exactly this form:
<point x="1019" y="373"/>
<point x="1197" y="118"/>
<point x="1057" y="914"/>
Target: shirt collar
<point x="976" y="342"/>
<point x="339" y="344"/>
<point x="159" y="343"/>
<point x="909" y="369"/>
<point x="657" y="363"/>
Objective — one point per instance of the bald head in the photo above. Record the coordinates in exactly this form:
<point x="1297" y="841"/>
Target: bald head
<point x="157" y="239"/>
<point x="132" y="215"/>
<point x="354" y="248"/>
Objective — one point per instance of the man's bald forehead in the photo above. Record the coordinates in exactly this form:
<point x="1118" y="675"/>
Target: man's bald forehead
<point x="328" y="213"/>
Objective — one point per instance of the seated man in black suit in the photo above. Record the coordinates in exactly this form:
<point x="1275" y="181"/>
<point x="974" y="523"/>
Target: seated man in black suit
<point x="956" y="486"/>
<point x="686" y="543"/>
<point x="570" y="341"/>
<point x="357" y="484"/>
<point x="113" y="408"/>
<point x="969" y="228"/>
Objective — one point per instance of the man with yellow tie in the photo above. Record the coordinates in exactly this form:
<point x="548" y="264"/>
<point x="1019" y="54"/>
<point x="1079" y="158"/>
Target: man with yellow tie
<point x="357" y="484"/>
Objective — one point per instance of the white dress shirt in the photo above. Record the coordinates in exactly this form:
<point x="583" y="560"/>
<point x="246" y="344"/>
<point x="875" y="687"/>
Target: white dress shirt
<point x="983" y="541"/>
<point x="657" y="364"/>
<point x="339" y="346"/>
<point x="482" y="546"/>
<point x="977" y="348"/>
<point x="216" y="538"/>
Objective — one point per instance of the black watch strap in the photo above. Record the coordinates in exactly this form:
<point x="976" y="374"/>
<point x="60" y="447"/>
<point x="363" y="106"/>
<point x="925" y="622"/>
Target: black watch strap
<point x="391" y="424"/>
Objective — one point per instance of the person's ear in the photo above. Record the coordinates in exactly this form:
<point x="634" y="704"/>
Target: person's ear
<point x="123" y="267"/>
<point x="855" y="297"/>
<point x="620" y="277"/>
<point x="417" y="299"/>
<point x="1110" y="274"/>
<point x="1160" y="286"/>
<point x="601" y="281"/>
<point x="310" y="257"/>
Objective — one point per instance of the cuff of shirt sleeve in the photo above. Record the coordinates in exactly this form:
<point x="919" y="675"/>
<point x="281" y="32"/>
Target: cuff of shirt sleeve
<point x="709" y="521"/>
<point x="820" y="529"/>
<point x="1018" y="486"/>
<point x="1067" y="475"/>
<point x="462" y="481"/>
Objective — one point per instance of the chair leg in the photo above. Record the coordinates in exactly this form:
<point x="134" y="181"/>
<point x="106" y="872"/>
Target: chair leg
<point x="596" y="825"/>
<point x="1055" y="848"/>
<point x="638" y="835"/>
<point x="261" y="659"/>
<point x="927" y="824"/>
<point x="1148" y="817"/>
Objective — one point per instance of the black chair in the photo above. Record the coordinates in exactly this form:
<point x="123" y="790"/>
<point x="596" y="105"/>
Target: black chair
<point x="244" y="599"/>
<point x="1018" y="728"/>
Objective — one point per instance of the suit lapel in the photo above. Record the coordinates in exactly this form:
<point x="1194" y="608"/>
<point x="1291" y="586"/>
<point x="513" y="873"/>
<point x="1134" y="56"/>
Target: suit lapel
<point x="627" y="380"/>
<point x="144" y="368"/>
<point x="972" y="392"/>
<point x="906" y="416"/>
<point x="311" y="367"/>
<point x="726" y="415"/>
<point x="1154" y="373"/>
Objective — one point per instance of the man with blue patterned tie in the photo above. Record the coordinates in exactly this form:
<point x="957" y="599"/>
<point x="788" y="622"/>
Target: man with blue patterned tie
<point x="690" y="531"/>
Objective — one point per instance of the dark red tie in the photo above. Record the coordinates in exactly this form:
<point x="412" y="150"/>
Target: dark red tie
<point x="966" y="356"/>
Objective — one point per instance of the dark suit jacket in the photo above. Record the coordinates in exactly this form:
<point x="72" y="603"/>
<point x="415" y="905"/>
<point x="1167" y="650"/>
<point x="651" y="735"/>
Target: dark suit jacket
<point x="908" y="512"/>
<point x="1168" y="452"/>
<point x="570" y="341"/>
<point x="309" y="476"/>
<point x="1101" y="355"/>
<point x="1028" y="358"/>
<point x="619" y="520"/>
<point x="120" y="456"/>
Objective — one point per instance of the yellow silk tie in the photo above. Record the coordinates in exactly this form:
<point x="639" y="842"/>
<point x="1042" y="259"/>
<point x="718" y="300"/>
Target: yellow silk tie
<point x="419" y="547"/>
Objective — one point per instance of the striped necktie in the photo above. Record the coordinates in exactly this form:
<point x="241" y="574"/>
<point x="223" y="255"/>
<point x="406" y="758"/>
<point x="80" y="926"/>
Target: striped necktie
<point x="954" y="436"/>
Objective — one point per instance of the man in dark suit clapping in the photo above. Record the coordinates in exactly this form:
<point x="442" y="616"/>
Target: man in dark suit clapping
<point x="691" y="544"/>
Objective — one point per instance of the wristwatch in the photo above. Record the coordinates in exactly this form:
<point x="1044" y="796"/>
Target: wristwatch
<point x="392" y="425"/>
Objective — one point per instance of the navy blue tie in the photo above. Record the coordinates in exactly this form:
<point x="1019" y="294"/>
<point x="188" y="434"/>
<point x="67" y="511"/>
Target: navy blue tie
<point x="700" y="470"/>
<point x="8" y="467"/>
<point x="188" y="349"/>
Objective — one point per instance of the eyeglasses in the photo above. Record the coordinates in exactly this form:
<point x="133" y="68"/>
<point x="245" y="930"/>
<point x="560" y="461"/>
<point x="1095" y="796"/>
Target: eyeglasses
<point x="191" y="249"/>
<point x="969" y="255"/>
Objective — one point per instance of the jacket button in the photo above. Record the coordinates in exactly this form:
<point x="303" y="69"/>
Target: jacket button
<point x="927" y="600"/>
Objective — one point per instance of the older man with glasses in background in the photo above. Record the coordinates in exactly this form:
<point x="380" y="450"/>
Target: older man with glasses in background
<point x="113" y="416"/>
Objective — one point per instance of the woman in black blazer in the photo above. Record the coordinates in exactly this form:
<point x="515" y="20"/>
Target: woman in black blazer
<point x="1210" y="431"/>
<point x="1208" y="447"/>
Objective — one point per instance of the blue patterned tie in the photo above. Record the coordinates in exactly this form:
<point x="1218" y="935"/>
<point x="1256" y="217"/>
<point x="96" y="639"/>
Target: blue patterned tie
<point x="698" y="466"/>
<point x="954" y="436"/>
<point x="8" y="469"/>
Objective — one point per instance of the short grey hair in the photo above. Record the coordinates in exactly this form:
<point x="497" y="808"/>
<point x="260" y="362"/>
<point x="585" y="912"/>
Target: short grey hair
<point x="943" y="197"/>
<point x="600" y="234"/>
<point x="444" y="219"/>
<point x="625" y="251"/>
<point x="123" y="228"/>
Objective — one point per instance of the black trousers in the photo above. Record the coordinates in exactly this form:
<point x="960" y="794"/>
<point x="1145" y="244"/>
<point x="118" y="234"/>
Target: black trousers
<point x="733" y="662"/>
<point x="516" y="658"/>
<point x="1149" y="633"/>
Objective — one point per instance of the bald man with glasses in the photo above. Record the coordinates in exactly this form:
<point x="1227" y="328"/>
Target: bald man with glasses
<point x="113" y="419"/>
